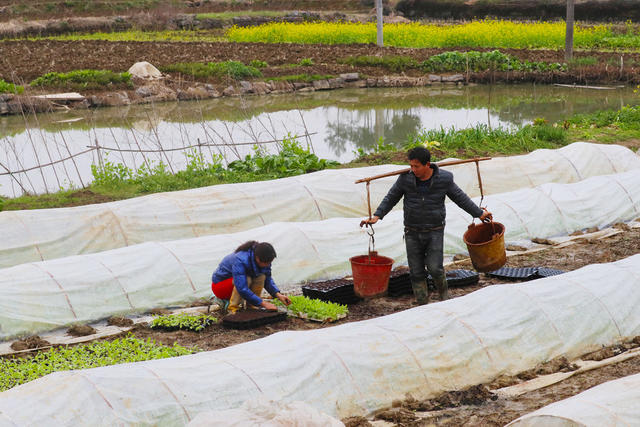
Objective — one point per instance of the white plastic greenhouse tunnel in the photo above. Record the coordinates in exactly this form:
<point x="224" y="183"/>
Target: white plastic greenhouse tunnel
<point x="354" y="368"/>
<point x="41" y="296"/>
<point x="37" y="235"/>
<point x="614" y="403"/>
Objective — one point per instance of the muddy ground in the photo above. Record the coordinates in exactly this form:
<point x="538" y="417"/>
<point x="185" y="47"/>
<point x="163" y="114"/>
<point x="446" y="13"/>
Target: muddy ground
<point x="486" y="412"/>
<point x="475" y="406"/>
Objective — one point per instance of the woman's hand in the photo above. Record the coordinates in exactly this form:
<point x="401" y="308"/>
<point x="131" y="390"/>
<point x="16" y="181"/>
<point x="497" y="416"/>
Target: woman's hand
<point x="283" y="298"/>
<point x="268" y="306"/>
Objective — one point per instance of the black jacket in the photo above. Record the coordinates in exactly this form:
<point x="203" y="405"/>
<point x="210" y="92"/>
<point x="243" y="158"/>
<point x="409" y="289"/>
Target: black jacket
<point x="426" y="211"/>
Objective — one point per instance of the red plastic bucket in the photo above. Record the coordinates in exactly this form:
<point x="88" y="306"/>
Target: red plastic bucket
<point x="370" y="274"/>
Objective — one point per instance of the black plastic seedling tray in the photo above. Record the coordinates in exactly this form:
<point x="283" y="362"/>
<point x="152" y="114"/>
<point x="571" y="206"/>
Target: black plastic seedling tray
<point x="547" y="272"/>
<point x="250" y="319"/>
<point x="338" y="290"/>
<point x="524" y="273"/>
<point x="515" y="273"/>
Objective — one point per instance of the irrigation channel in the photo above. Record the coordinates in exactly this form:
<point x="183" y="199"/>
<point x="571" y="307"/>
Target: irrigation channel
<point x="334" y="125"/>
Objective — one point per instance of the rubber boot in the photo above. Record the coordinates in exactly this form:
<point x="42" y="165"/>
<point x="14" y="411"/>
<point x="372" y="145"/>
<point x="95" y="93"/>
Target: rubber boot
<point x="443" y="288"/>
<point x="421" y="292"/>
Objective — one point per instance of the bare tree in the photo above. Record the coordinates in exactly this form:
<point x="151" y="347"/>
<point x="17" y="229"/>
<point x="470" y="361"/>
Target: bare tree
<point x="568" y="41"/>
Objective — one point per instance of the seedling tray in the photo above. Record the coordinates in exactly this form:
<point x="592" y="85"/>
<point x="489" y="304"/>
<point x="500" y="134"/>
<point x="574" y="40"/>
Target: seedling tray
<point x="547" y="272"/>
<point x="250" y="319"/>
<point x="456" y="278"/>
<point x="306" y="317"/>
<point x="515" y="273"/>
<point x="338" y="290"/>
<point x="524" y="273"/>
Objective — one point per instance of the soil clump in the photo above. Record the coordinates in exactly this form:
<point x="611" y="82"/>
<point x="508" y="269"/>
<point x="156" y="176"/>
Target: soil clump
<point x="29" y="343"/>
<point x="119" y="321"/>
<point x="81" y="330"/>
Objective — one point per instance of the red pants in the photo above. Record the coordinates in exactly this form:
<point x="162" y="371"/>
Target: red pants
<point x="223" y="289"/>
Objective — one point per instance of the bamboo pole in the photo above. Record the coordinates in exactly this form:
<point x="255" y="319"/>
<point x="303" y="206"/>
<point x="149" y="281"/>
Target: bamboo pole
<point x="440" y="164"/>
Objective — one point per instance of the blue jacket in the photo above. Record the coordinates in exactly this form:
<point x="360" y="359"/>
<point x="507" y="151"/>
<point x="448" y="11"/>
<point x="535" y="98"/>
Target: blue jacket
<point x="424" y="211"/>
<point x="241" y="265"/>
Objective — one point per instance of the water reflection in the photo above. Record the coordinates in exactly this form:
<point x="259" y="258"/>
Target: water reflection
<point x="341" y="122"/>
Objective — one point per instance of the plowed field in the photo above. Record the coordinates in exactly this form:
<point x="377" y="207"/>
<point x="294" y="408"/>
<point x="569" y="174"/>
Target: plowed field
<point x="22" y="61"/>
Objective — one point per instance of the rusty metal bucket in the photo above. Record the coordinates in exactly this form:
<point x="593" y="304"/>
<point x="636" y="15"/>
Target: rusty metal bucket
<point x="485" y="242"/>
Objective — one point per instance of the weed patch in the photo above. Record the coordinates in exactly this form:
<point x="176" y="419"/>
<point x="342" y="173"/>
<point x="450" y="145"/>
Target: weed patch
<point x="83" y="79"/>
<point x="6" y="87"/>
<point x="232" y="69"/>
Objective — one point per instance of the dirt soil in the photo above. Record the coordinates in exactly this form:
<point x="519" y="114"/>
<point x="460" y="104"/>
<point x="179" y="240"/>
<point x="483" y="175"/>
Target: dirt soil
<point x="22" y="61"/>
<point x="465" y="407"/>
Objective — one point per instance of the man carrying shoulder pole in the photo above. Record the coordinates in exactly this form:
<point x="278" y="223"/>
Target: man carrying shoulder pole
<point x="424" y="189"/>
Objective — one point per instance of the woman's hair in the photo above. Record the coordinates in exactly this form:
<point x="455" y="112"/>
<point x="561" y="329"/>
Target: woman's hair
<point x="263" y="250"/>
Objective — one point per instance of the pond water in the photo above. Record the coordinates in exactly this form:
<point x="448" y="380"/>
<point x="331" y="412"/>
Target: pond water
<point x="338" y="124"/>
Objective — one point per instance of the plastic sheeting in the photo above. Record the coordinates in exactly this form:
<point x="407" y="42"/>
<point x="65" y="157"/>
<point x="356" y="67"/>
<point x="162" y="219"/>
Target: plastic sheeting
<point x="39" y="296"/>
<point x="358" y="367"/>
<point x="614" y="403"/>
<point x="37" y="235"/>
<point x="263" y="413"/>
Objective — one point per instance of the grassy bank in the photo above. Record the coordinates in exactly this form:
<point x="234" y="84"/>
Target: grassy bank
<point x="116" y="181"/>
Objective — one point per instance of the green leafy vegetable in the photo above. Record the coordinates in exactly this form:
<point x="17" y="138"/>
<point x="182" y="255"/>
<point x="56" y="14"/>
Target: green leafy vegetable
<point x="183" y="321"/>
<point x="314" y="308"/>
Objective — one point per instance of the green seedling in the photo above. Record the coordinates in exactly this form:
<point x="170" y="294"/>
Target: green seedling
<point x="183" y="321"/>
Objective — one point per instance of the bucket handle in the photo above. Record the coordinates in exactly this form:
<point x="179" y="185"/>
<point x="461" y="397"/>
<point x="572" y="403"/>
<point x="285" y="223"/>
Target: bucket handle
<point x="486" y="221"/>
<point x="372" y="240"/>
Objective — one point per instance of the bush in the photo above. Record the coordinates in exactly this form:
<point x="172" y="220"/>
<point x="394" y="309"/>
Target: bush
<point x="82" y="79"/>
<point x="6" y="87"/>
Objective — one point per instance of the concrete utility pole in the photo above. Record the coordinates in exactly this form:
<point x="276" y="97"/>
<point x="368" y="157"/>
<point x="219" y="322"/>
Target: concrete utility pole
<point x="379" y="19"/>
<point x="568" y="41"/>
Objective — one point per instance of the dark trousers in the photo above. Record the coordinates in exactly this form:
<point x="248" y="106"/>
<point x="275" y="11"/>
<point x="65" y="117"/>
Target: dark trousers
<point x="425" y="254"/>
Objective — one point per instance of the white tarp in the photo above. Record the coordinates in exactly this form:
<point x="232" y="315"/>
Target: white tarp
<point x="614" y="403"/>
<point x="266" y="413"/>
<point x="42" y="296"/>
<point x="45" y="234"/>
<point x="354" y="368"/>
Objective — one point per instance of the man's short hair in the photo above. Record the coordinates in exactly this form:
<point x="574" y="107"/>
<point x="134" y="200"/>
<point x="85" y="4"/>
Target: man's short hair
<point x="420" y="154"/>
